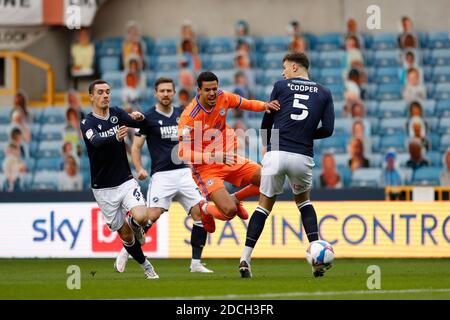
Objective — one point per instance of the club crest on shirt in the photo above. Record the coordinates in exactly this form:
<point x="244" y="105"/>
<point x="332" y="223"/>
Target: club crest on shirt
<point x="210" y="182"/>
<point x="99" y="127"/>
<point x="114" y="119"/>
<point x="160" y="122"/>
<point x="222" y="112"/>
<point x="178" y="119"/>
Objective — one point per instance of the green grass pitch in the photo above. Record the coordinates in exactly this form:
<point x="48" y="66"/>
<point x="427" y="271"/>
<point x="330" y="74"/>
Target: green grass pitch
<point x="272" y="279"/>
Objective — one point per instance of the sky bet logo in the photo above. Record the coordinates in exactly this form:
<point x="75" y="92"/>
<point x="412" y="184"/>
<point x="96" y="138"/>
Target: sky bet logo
<point x="57" y="230"/>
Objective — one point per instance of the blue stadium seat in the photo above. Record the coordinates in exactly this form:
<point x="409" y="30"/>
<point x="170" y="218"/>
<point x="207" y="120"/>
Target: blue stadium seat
<point x="109" y="63"/>
<point x="5" y="115"/>
<point x="271" y="60"/>
<point x="437" y="40"/>
<point x="329" y="41"/>
<point x="387" y="58"/>
<point x="223" y="61"/>
<point x="51" y="132"/>
<point x="392" y="109"/>
<point x="114" y="78"/>
<point x="392" y="125"/>
<point x="45" y="181"/>
<point x="332" y="59"/>
<point x="335" y="143"/>
<point x="429" y="107"/>
<point x="331" y="76"/>
<point x="169" y="74"/>
<point x="388" y="75"/>
<point x="49" y="149"/>
<point x="435" y="158"/>
<point x="397" y="141"/>
<point x="406" y="175"/>
<point x="166" y="62"/>
<point x="366" y="177"/>
<point x="441" y="74"/>
<point x="271" y="76"/>
<point x="36" y="114"/>
<point x="49" y="164"/>
<point x="445" y="142"/>
<point x="343" y="126"/>
<point x="440" y="57"/>
<point x="389" y="91"/>
<point x="110" y="46"/>
<point x="371" y="107"/>
<point x="441" y="91"/>
<point x="444" y="125"/>
<point x="116" y="97"/>
<point x="337" y="91"/>
<point x="346" y="176"/>
<point x="54" y="115"/>
<point x="435" y="140"/>
<point x="426" y="176"/>
<point x="402" y="159"/>
<point x="219" y="45"/>
<point x="273" y="44"/>
<point x="165" y="46"/>
<point x="443" y="108"/>
<point x="384" y="41"/>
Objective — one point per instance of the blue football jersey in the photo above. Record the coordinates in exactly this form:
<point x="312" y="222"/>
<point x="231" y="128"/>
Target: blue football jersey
<point x="107" y="156"/>
<point x="303" y="105"/>
<point x="161" y="133"/>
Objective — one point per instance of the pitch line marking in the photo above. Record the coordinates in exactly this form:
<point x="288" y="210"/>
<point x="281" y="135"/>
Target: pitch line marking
<point x="302" y="294"/>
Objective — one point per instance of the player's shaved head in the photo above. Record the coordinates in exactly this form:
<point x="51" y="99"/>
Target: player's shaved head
<point x="206" y="76"/>
<point x="299" y="58"/>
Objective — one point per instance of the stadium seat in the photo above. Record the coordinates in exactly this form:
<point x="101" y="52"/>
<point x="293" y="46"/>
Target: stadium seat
<point x="371" y="107"/>
<point x="437" y="40"/>
<point x="109" y="63"/>
<point x="110" y="46"/>
<point x="273" y="44"/>
<point x="337" y="91"/>
<point x="392" y="125"/>
<point x="397" y="141"/>
<point x="215" y="62"/>
<point x="406" y="175"/>
<point x="441" y="74"/>
<point x="445" y="142"/>
<point x="331" y="76"/>
<point x="389" y="91"/>
<point x="343" y="126"/>
<point x="49" y="164"/>
<point x="426" y="176"/>
<point x="45" y="181"/>
<point x="435" y="158"/>
<point x="386" y="58"/>
<point x="402" y="158"/>
<point x="271" y="60"/>
<point x="49" y="149"/>
<point x="443" y="108"/>
<point x="384" y="41"/>
<point x="392" y="109"/>
<point x="435" y="140"/>
<point x="52" y="132"/>
<point x="388" y="75"/>
<point x="329" y="41"/>
<point x="429" y="107"/>
<point x="442" y="91"/>
<point x="217" y="45"/>
<point x="166" y="62"/>
<point x="271" y="76"/>
<point x="440" y="57"/>
<point x="335" y="144"/>
<point x="114" y="78"/>
<point x="332" y="59"/>
<point x="366" y="177"/>
<point x="165" y="46"/>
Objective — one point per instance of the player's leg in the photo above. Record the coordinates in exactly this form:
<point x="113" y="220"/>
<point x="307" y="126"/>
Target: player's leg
<point x="272" y="182"/>
<point x="134" y="249"/>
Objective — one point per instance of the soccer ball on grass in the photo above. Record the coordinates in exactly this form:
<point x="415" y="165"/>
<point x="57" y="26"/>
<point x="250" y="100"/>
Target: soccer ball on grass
<point x="320" y="254"/>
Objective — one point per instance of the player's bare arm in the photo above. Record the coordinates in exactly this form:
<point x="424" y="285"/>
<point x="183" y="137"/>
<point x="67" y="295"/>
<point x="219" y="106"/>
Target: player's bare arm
<point x="138" y="143"/>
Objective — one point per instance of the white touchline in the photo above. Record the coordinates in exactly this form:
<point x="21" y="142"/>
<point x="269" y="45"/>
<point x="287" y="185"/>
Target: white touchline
<point x="301" y="294"/>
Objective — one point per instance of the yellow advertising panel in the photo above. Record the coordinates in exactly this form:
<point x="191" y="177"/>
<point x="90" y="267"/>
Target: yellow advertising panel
<point x="355" y="229"/>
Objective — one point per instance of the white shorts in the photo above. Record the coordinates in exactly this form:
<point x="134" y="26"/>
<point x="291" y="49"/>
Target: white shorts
<point x="178" y="185"/>
<point x="279" y="164"/>
<point x="117" y="201"/>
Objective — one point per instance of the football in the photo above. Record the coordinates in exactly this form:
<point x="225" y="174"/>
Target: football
<point x="320" y="254"/>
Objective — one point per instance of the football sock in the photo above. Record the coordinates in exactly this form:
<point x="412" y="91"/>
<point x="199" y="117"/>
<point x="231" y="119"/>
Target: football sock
<point x="198" y="240"/>
<point x="135" y="250"/>
<point x="215" y="212"/>
<point x="309" y="220"/>
<point x="247" y="192"/>
<point x="256" y="226"/>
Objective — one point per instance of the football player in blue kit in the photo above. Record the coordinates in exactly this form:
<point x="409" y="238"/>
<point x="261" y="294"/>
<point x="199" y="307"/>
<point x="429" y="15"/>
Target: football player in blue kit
<point x="291" y="132"/>
<point x="170" y="178"/>
<point x="113" y="185"/>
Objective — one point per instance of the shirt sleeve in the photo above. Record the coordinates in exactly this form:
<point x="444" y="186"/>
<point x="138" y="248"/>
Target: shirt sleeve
<point x="125" y="119"/>
<point x="92" y="135"/>
<point x="237" y="102"/>
<point x="327" y="119"/>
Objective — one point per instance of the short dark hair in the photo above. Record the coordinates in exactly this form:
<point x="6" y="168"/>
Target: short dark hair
<point x="164" y="80"/>
<point x="206" y="76"/>
<point x="96" y="82"/>
<point x="299" y="58"/>
<point x="15" y="132"/>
